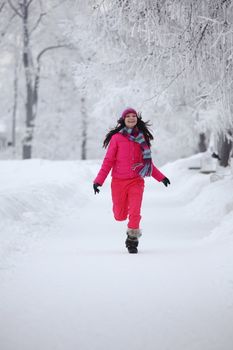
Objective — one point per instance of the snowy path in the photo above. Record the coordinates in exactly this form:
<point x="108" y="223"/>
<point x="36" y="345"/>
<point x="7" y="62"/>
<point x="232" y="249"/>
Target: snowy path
<point x="76" y="287"/>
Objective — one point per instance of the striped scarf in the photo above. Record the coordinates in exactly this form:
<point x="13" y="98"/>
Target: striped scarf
<point x="144" y="168"/>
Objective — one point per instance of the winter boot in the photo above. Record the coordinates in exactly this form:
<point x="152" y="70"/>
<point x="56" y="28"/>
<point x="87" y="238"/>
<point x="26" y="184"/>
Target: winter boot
<point x="132" y="244"/>
<point x="132" y="240"/>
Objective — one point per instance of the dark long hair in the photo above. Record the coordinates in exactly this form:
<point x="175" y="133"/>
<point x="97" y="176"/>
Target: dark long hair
<point x="142" y="126"/>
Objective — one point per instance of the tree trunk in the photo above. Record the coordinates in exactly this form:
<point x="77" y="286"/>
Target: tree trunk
<point x="13" y="130"/>
<point x="224" y="150"/>
<point x="84" y="129"/>
<point x="202" y="143"/>
<point x="27" y="141"/>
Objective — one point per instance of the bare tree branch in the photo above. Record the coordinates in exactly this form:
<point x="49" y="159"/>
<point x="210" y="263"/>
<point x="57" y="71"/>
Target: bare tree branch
<point x="48" y="49"/>
<point x="217" y="39"/>
<point x="166" y="87"/>
<point x="200" y="39"/>
<point x="215" y="21"/>
<point x="29" y="3"/>
<point x="15" y="9"/>
<point x="38" y="22"/>
<point x="2" y="6"/>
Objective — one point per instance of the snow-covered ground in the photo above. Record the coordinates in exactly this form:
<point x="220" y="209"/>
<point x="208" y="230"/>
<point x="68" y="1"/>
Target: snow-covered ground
<point x="67" y="281"/>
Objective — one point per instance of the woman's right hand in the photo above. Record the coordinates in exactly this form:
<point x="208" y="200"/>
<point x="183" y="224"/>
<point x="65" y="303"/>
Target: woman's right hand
<point x="95" y="187"/>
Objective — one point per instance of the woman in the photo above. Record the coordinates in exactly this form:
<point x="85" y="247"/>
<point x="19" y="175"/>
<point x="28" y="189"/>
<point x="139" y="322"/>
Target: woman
<point x="129" y="157"/>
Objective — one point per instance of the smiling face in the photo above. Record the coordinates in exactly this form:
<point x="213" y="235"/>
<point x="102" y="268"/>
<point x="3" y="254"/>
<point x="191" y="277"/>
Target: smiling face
<point x="130" y="120"/>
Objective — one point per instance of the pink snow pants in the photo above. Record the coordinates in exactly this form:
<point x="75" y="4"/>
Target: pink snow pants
<point x="127" y="200"/>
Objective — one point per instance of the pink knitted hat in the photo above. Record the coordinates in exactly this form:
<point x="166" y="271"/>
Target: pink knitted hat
<point x="127" y="111"/>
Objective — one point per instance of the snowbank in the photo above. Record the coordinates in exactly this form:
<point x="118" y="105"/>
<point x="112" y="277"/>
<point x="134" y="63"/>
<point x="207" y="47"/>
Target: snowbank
<point x="39" y="186"/>
<point x="211" y="201"/>
<point x="33" y="195"/>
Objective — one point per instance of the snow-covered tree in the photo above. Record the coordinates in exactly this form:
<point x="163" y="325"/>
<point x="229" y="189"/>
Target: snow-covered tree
<point x="29" y="16"/>
<point x="186" y="48"/>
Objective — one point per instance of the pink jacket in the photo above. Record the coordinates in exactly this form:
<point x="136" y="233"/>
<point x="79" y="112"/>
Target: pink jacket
<point x="121" y="155"/>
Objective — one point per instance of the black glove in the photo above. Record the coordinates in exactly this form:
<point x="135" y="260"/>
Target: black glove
<point x="95" y="187"/>
<point x="166" y="181"/>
